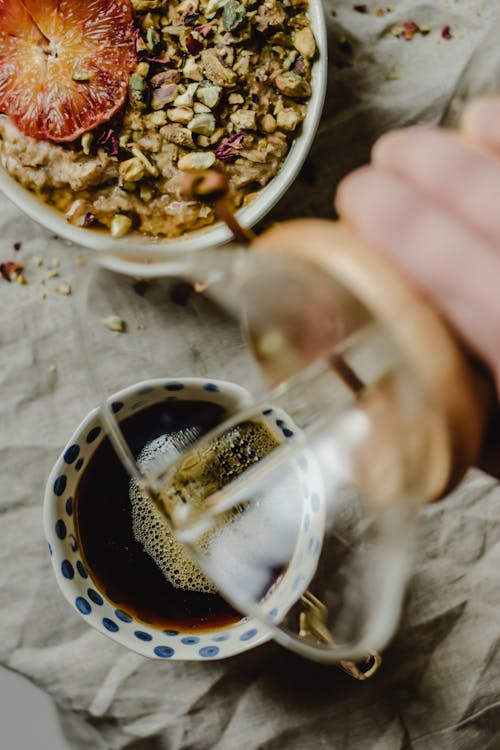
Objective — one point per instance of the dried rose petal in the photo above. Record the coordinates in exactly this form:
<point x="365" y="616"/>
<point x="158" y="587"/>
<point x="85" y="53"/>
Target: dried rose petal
<point x="205" y="29"/>
<point x="109" y="142"/>
<point x="230" y="146"/>
<point x="193" y="45"/>
<point x="10" y="269"/>
<point x="446" y="32"/>
<point x="361" y="8"/>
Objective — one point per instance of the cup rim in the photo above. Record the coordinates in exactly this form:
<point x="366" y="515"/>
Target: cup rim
<point x="168" y="254"/>
<point x="75" y="581"/>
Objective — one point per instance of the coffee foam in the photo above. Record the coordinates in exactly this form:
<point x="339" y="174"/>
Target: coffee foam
<point x="150" y="526"/>
<point x="255" y="537"/>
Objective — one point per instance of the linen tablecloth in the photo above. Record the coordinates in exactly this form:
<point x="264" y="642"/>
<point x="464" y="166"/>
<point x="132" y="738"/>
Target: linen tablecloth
<point x="439" y="686"/>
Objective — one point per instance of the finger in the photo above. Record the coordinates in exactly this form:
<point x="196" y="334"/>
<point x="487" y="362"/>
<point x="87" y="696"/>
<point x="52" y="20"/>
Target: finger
<point x="458" y="271"/>
<point x="464" y="181"/>
<point x="481" y="121"/>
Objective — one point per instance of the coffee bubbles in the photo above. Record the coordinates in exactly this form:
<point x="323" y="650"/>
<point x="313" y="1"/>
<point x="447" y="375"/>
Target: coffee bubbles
<point x="150" y="527"/>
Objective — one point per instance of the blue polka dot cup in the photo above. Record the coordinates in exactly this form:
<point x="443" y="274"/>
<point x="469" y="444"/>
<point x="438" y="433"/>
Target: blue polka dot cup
<point x="76" y="582"/>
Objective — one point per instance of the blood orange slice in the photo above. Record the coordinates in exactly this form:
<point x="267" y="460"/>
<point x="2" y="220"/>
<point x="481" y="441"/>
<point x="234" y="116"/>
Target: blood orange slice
<point x="64" y="64"/>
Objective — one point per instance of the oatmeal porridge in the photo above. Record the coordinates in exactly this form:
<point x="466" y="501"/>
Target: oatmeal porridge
<point x="196" y="85"/>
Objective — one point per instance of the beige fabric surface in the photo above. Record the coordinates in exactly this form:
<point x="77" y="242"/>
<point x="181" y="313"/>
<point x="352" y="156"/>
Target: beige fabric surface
<point x="440" y="684"/>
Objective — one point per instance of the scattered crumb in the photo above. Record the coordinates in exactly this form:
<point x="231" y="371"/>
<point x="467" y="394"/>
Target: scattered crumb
<point x="37" y="261"/>
<point x="17" y="246"/>
<point x="114" y="323"/>
<point x="63" y="288"/>
<point x="80" y="260"/>
<point x="21" y="279"/>
<point x="10" y="270"/>
<point x="52" y="368"/>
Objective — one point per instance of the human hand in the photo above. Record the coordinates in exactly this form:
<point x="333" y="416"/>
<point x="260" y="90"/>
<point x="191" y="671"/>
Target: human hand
<point x="430" y="202"/>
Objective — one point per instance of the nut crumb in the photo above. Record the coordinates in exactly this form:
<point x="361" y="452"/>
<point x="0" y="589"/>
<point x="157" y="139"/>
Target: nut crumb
<point x="114" y="323"/>
<point x="63" y="288"/>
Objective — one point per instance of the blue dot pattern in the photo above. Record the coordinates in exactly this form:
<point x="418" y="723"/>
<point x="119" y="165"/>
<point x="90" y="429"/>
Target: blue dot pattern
<point x="220" y="638"/>
<point x="50" y="548"/>
<point x="174" y="386"/>
<point x="208" y="651"/>
<point x="287" y="433"/>
<point x="60" y="485"/>
<point x="267" y="412"/>
<point x="82" y="569"/>
<point x="211" y="387"/>
<point x="248" y="635"/>
<point x="79" y="464"/>
<point x="315" y="502"/>
<point x="164" y="652"/>
<point x="110" y="625"/>
<point x="123" y="616"/>
<point x="60" y="529"/>
<point x="67" y="569"/>
<point x="171" y="632"/>
<point x="82" y="605"/>
<point x="95" y="597"/>
<point x="116" y="406"/>
<point x="69" y="506"/>
<point x="71" y="454"/>
<point x="93" y="435"/>
<point x="142" y="636"/>
<point x="190" y="640"/>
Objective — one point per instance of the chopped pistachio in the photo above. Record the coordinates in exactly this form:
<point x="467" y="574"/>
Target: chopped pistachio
<point x="146" y="192"/>
<point x="132" y="170"/>
<point x="233" y="15"/>
<point x="303" y="41"/>
<point x="203" y="141"/>
<point x="120" y="225"/>
<point x="192" y="70"/>
<point x="209" y="94"/>
<point x="186" y="98"/>
<point x="180" y="114"/>
<point x="197" y="160"/>
<point x="142" y="5"/>
<point x="288" y="119"/>
<point x="136" y="151"/>
<point x="179" y="136"/>
<point x="268" y="123"/>
<point x="137" y="82"/>
<point x="293" y="85"/>
<point x="236" y="99"/>
<point x="115" y="323"/>
<point x="162" y="95"/>
<point x="124" y="139"/>
<point x="142" y="69"/>
<point x="203" y="124"/>
<point x="156" y="119"/>
<point x="86" y="141"/>
<point x="198" y="107"/>
<point x="244" y="119"/>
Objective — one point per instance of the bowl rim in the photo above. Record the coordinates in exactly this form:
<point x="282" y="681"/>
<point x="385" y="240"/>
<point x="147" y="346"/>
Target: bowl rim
<point x="213" y="644"/>
<point x="152" y="249"/>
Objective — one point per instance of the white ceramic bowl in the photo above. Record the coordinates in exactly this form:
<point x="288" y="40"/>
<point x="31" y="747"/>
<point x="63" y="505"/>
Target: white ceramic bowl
<point x="170" y="253"/>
